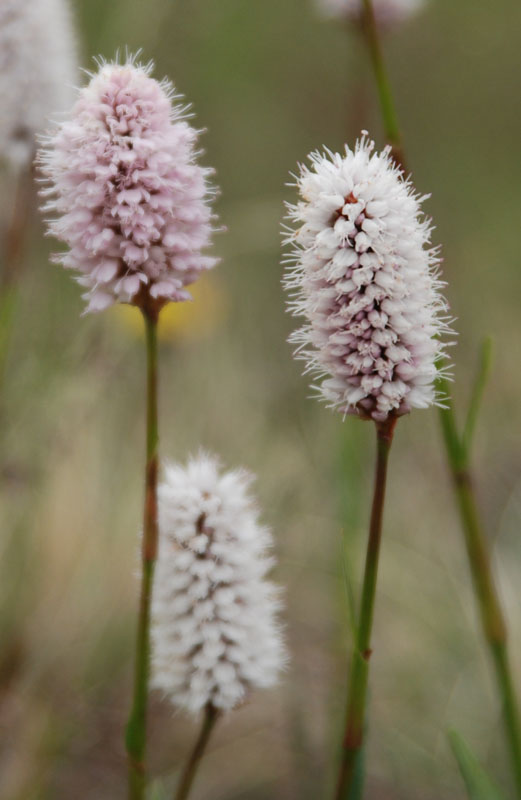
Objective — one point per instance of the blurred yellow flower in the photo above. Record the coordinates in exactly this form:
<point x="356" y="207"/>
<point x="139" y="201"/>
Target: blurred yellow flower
<point x="179" y="322"/>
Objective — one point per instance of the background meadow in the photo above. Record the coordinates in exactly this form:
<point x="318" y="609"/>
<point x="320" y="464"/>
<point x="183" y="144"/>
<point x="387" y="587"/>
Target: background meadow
<point x="270" y="81"/>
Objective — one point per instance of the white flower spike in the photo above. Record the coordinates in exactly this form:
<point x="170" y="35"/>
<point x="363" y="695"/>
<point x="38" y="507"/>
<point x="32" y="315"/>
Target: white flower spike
<point x="214" y="629"/>
<point x="365" y="277"/>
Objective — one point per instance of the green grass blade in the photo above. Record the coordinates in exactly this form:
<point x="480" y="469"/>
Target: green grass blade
<point x="477" y="782"/>
<point x="480" y="382"/>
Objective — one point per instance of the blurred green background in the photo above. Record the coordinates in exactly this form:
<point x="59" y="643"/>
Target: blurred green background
<point x="270" y="81"/>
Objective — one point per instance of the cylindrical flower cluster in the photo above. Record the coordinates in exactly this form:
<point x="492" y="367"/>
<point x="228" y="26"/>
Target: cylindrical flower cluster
<point x="132" y="203"/>
<point x="387" y="12"/>
<point x="364" y="276"/>
<point x="37" y="71"/>
<point x="214" y="629"/>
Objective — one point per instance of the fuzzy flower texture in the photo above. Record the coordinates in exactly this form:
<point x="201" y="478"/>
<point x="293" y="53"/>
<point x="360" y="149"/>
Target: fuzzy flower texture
<point x="132" y="201"/>
<point x="388" y="13"/>
<point x="364" y="276"/>
<point x="214" y="630"/>
<point x="37" y="71"/>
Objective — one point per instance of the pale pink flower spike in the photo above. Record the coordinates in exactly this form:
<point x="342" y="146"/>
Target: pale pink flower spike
<point x="132" y="203"/>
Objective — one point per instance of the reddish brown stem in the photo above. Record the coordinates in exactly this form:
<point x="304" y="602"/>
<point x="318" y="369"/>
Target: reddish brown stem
<point x="211" y="715"/>
<point x="359" y="675"/>
<point x="136" y="732"/>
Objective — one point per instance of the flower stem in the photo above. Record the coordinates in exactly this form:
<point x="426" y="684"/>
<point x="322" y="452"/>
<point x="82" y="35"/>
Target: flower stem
<point x="211" y="715"/>
<point x="136" y="727"/>
<point x="492" y="621"/>
<point x="357" y="694"/>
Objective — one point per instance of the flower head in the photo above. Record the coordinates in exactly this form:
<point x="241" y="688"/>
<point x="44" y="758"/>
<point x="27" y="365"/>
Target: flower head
<point x="387" y="12"/>
<point x="214" y="631"/>
<point x="37" y="70"/>
<point x="132" y="201"/>
<point x="364" y="276"/>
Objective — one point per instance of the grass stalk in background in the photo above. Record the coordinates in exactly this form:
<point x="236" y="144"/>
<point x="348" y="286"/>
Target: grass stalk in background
<point x="383" y="84"/>
<point x="211" y="715"/>
<point x="457" y="448"/>
<point x="357" y="694"/>
<point x="136" y="732"/>
<point x="16" y="230"/>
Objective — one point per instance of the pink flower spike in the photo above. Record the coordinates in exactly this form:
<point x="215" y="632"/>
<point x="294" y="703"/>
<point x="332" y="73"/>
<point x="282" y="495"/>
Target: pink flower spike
<point x="131" y="202"/>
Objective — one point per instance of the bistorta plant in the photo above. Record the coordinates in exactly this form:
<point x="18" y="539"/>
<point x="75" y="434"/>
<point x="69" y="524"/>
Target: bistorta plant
<point x="364" y="276"/>
<point x="133" y="205"/>
<point x="215" y="633"/>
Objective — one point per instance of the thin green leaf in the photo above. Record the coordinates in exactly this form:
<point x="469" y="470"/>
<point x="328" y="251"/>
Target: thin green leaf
<point x="480" y="382"/>
<point x="350" y="595"/>
<point x="449" y="427"/>
<point x="478" y="784"/>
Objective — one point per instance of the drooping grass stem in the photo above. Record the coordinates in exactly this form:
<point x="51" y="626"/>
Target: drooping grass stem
<point x="136" y="732"/>
<point x="357" y="694"/>
<point x="211" y="715"/>
<point x="457" y="449"/>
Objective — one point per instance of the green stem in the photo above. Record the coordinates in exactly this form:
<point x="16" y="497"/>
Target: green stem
<point x="357" y="694"/>
<point x="510" y="708"/>
<point x="136" y="728"/>
<point x="491" y="614"/>
<point x="457" y="454"/>
<point x="211" y="715"/>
